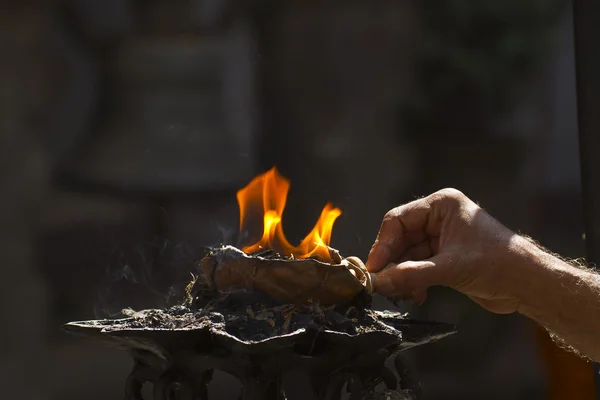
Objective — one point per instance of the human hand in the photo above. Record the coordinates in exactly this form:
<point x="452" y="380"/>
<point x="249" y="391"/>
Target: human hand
<point x="446" y="239"/>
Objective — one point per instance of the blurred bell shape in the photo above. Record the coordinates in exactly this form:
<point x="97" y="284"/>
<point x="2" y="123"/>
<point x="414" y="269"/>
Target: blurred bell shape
<point x="176" y="112"/>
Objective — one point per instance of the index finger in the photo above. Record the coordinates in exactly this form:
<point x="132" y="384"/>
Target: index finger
<point x="401" y="228"/>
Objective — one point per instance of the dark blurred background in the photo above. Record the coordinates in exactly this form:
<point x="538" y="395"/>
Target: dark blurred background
<point x="126" y="127"/>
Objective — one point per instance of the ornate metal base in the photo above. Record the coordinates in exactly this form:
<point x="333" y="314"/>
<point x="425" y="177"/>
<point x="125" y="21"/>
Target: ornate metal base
<point x="177" y="350"/>
<point x="360" y="382"/>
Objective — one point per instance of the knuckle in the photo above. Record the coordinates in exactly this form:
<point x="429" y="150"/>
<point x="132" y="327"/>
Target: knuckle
<point x="449" y="196"/>
<point x="451" y="193"/>
<point x="391" y="214"/>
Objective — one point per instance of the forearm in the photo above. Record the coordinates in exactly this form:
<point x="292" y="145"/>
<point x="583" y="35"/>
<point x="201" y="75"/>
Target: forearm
<point x="563" y="298"/>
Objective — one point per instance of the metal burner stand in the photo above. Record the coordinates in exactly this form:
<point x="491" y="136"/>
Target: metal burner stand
<point x="305" y="364"/>
<point x="281" y="376"/>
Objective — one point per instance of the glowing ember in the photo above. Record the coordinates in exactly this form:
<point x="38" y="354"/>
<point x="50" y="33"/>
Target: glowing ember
<point x="269" y="193"/>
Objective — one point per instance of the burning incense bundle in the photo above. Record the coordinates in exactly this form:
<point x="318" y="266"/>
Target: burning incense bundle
<point x="286" y="280"/>
<point x="309" y="272"/>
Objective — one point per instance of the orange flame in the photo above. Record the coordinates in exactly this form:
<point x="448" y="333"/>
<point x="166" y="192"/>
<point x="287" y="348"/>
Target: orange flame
<point x="269" y="192"/>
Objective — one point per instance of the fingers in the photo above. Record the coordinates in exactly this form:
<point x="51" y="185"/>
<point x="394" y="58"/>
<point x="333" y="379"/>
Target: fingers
<point x="401" y="228"/>
<point x="420" y="251"/>
<point x="389" y="241"/>
<point x="407" y="225"/>
<point x="410" y="279"/>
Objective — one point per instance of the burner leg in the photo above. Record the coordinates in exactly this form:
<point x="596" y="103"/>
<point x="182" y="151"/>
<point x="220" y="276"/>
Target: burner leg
<point x="187" y="388"/>
<point x="297" y="385"/>
<point x="135" y="380"/>
<point x="333" y="389"/>
<point x="162" y="387"/>
<point x="261" y="388"/>
<point x="133" y="387"/>
<point x="201" y="387"/>
<point x="407" y="380"/>
<point x="355" y="387"/>
<point x="389" y="378"/>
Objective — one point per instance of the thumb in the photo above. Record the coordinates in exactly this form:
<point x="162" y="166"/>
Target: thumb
<point x="410" y="279"/>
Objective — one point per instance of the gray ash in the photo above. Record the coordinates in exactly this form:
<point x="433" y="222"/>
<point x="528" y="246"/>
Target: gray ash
<point x="269" y="254"/>
<point x="259" y="320"/>
<point x="251" y="317"/>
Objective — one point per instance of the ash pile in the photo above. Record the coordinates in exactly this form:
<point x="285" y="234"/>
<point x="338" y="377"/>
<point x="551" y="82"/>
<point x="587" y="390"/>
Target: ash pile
<point x="271" y="322"/>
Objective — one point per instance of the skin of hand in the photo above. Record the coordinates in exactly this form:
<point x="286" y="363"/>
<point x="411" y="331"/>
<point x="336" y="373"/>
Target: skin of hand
<point x="446" y="239"/>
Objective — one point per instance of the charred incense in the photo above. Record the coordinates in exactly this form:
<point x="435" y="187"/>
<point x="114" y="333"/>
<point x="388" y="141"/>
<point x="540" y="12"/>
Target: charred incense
<point x="288" y="280"/>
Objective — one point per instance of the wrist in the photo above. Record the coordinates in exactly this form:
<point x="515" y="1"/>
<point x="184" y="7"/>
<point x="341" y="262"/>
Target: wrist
<point x="526" y="264"/>
<point x="541" y="277"/>
<point x="560" y="296"/>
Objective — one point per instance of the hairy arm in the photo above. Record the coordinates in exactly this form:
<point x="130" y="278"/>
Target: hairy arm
<point x="563" y="298"/>
<point x="446" y="239"/>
